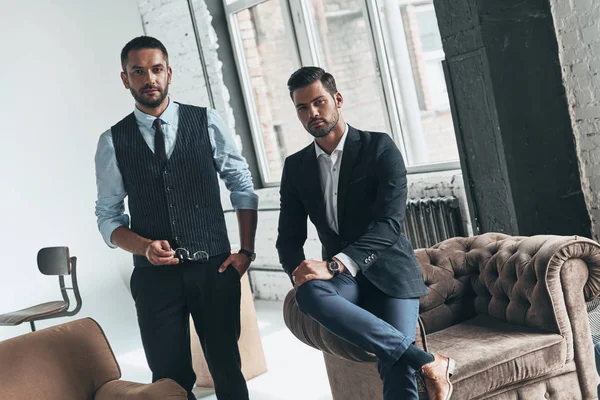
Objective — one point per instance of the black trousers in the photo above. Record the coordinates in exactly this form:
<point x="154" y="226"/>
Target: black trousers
<point x="165" y="296"/>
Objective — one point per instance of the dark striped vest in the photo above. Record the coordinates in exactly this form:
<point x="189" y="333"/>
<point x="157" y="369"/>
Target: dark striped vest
<point x="180" y="200"/>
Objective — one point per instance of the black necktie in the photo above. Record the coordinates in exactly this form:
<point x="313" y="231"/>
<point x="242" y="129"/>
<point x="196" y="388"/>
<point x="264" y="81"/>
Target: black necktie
<point x="159" y="140"/>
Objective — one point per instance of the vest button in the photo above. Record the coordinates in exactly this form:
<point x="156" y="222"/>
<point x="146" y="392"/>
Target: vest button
<point x="172" y="205"/>
<point x="165" y="172"/>
<point x="174" y="222"/>
<point x="169" y="188"/>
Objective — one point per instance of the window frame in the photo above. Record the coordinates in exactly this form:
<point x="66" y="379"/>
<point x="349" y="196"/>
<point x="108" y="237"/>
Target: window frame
<point x="302" y="37"/>
<point x="240" y="59"/>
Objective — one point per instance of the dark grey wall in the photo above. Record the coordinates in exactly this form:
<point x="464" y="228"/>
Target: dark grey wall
<point x="513" y="127"/>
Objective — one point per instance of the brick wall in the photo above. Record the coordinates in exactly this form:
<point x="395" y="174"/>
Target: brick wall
<point x="171" y="23"/>
<point x="577" y="24"/>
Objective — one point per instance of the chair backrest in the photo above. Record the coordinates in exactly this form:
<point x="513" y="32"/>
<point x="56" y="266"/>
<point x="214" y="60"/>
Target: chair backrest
<point x="54" y="261"/>
<point x="57" y="261"/>
<point x="68" y="361"/>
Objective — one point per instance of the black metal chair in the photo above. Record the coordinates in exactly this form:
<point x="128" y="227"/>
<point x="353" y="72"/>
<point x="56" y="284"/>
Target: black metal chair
<point x="51" y="261"/>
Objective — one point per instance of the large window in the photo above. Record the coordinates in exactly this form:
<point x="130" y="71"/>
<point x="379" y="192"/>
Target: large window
<point x="270" y="56"/>
<point x="345" y="50"/>
<point x="385" y="55"/>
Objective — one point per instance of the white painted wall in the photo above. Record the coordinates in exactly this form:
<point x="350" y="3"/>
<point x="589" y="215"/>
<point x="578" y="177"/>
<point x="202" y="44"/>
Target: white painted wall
<point x="60" y="90"/>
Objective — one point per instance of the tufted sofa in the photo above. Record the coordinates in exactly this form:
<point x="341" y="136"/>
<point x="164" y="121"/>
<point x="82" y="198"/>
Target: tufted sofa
<point x="510" y="310"/>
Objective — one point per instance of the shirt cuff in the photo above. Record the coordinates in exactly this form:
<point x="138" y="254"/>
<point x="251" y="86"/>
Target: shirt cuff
<point x="244" y="200"/>
<point x="109" y="226"/>
<point x="350" y="265"/>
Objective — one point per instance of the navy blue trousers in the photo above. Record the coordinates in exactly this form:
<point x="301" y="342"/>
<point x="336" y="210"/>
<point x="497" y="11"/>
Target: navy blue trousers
<point x="358" y="312"/>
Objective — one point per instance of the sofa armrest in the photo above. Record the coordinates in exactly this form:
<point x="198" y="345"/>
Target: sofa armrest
<point x="313" y="334"/>
<point x="163" y="389"/>
<point x="572" y="278"/>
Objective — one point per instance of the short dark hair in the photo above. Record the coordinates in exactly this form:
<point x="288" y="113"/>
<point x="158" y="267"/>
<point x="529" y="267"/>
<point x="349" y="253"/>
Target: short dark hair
<point x="308" y="75"/>
<point x="142" y="42"/>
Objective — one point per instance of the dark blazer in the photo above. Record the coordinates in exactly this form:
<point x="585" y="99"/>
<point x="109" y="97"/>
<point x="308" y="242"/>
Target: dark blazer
<point x="371" y="208"/>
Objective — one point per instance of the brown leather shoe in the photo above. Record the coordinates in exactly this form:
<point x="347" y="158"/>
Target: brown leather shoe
<point x="436" y="377"/>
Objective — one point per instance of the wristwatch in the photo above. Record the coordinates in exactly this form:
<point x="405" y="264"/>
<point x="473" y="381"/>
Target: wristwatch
<point x="333" y="266"/>
<point x="248" y="253"/>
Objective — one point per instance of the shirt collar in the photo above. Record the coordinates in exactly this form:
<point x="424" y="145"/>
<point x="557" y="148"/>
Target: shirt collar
<point x="338" y="148"/>
<point x="168" y="116"/>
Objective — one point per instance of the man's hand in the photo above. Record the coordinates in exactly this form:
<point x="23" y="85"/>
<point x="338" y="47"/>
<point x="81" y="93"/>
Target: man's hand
<point x="159" y="252"/>
<point x="241" y="262"/>
<point x="309" y="270"/>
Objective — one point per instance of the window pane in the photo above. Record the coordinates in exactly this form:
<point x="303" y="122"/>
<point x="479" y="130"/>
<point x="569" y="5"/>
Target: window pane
<point x="415" y="52"/>
<point x="346" y="52"/>
<point x="429" y="34"/>
<point x="269" y="58"/>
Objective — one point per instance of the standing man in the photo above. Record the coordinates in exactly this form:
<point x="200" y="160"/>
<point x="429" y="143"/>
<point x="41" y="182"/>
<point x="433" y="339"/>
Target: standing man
<point x="165" y="157"/>
<point x="352" y="185"/>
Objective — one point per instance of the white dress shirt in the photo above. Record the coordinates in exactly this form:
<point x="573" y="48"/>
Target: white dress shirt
<point x="329" y="171"/>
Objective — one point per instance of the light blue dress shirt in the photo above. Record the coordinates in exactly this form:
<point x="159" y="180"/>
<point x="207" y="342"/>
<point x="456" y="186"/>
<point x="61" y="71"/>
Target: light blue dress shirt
<point x="228" y="161"/>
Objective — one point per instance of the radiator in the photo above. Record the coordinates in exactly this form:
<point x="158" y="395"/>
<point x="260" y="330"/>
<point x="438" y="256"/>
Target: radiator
<point x="431" y="220"/>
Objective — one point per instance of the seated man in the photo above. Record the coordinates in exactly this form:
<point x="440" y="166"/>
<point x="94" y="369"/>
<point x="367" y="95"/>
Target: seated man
<point x="352" y="185"/>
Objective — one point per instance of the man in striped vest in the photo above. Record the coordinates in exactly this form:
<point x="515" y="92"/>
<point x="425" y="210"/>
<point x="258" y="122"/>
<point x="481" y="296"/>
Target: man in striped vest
<point x="165" y="157"/>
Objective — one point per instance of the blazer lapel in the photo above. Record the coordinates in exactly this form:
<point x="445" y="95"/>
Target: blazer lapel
<point x="349" y="157"/>
<point x="312" y="184"/>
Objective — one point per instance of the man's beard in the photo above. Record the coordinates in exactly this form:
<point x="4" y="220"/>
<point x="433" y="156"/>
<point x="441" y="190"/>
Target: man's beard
<point x="139" y="96"/>
<point x="326" y="128"/>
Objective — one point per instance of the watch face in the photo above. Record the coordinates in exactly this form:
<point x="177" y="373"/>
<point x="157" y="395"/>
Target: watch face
<point x="334" y="266"/>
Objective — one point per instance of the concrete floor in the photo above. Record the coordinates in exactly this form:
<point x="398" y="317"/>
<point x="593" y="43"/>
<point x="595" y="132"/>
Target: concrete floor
<point x="295" y="371"/>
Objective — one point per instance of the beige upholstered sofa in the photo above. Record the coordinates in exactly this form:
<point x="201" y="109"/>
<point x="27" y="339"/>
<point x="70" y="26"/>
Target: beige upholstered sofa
<point x="510" y="310"/>
<point x="72" y="361"/>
